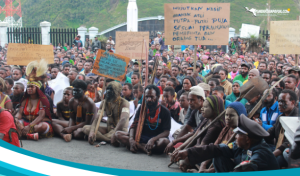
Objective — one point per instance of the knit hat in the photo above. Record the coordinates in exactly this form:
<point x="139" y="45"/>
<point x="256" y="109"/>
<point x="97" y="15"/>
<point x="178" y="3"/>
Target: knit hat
<point x="239" y="82"/>
<point x="204" y="86"/>
<point x="238" y="107"/>
<point x="197" y="90"/>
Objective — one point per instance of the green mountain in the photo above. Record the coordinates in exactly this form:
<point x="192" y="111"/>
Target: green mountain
<point x="104" y="14"/>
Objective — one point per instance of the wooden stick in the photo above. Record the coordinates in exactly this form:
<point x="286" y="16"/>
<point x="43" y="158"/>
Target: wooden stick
<point x="195" y="57"/>
<point x="100" y="118"/>
<point x="141" y="61"/>
<point x="141" y="121"/>
<point x="296" y="56"/>
<point x="193" y="138"/>
<point x="147" y="71"/>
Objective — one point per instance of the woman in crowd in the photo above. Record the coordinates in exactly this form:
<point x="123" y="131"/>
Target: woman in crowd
<point x="224" y="82"/>
<point x="236" y="92"/>
<point x="5" y="101"/>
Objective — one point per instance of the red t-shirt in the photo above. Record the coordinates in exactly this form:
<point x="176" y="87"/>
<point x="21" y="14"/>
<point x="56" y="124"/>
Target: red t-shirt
<point x="6" y="123"/>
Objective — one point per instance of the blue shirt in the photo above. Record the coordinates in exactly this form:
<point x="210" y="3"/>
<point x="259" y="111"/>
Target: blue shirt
<point x="269" y="116"/>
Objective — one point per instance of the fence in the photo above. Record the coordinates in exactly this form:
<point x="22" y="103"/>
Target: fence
<point x="264" y="34"/>
<point x="62" y="36"/>
<point x="24" y="35"/>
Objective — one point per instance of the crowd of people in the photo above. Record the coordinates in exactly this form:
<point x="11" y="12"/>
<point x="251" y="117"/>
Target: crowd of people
<point x="192" y="98"/>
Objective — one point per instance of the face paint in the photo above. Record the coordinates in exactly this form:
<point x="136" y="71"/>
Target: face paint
<point x="110" y="94"/>
<point x="207" y="110"/>
<point x="231" y="118"/>
<point x="78" y="93"/>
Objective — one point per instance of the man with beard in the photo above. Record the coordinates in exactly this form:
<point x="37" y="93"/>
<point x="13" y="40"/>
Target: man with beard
<point x="270" y="112"/>
<point x="279" y="66"/>
<point x="243" y="76"/>
<point x="156" y="127"/>
<point x="287" y="103"/>
<point x="82" y="111"/>
<point x="117" y="112"/>
<point x="159" y="72"/>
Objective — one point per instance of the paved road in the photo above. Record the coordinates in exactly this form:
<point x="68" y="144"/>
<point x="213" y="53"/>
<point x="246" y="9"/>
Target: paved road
<point x="106" y="156"/>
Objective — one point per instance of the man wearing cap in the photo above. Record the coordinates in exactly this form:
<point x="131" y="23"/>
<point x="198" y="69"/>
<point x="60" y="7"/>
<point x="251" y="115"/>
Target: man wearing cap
<point x="135" y="68"/>
<point x="157" y="39"/>
<point x="196" y="98"/>
<point x="243" y="76"/>
<point x="96" y="44"/>
<point x="77" y="41"/>
<point x="249" y="152"/>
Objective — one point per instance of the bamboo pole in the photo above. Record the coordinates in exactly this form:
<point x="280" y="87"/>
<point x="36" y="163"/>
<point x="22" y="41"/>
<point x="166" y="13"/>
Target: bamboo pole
<point x="195" y="57"/>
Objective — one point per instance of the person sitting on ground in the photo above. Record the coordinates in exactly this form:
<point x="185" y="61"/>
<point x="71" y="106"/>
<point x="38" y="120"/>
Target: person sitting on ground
<point x="17" y="77"/>
<point x="184" y="104"/>
<point x="5" y="101"/>
<point x="82" y="111"/>
<point x="34" y="113"/>
<point x="232" y="114"/>
<point x="213" y="82"/>
<point x="187" y="83"/>
<point x="127" y="92"/>
<point x="135" y="78"/>
<point x="236" y="92"/>
<point x="248" y="153"/>
<point x="63" y="114"/>
<point x="169" y="102"/>
<point x="8" y="129"/>
<point x="280" y="146"/>
<point x="270" y="112"/>
<point x="137" y="91"/>
<point x="91" y="90"/>
<point x="213" y="106"/>
<point x="224" y="82"/>
<point x="219" y="91"/>
<point x="117" y="112"/>
<point x="18" y="92"/>
<point x="9" y="85"/>
<point x="156" y="128"/>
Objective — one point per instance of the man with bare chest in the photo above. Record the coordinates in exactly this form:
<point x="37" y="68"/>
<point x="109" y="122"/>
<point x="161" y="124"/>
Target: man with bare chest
<point x="82" y="111"/>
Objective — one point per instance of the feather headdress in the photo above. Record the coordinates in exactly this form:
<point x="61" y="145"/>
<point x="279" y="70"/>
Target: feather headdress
<point x="35" y="70"/>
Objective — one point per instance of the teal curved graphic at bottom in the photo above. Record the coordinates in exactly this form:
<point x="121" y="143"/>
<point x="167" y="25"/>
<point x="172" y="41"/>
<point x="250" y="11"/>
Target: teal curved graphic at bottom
<point x="7" y="169"/>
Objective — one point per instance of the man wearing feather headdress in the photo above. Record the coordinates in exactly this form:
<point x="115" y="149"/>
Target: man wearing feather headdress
<point x="34" y="114"/>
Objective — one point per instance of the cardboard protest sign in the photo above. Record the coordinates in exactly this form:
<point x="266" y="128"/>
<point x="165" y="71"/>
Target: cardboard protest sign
<point x="23" y="54"/>
<point x="285" y="37"/>
<point x="197" y="23"/>
<point x="131" y="44"/>
<point x="110" y="65"/>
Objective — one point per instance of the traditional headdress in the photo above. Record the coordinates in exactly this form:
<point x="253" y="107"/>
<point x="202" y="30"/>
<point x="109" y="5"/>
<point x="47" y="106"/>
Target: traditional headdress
<point x="35" y="71"/>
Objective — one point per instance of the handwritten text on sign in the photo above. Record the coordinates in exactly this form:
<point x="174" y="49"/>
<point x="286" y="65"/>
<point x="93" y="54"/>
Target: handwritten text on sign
<point x="110" y="65"/>
<point x="131" y="44"/>
<point x="23" y="54"/>
<point x="285" y="37"/>
<point x="197" y="23"/>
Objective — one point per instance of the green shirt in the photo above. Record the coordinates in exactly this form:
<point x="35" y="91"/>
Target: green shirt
<point x="232" y="98"/>
<point x="240" y="78"/>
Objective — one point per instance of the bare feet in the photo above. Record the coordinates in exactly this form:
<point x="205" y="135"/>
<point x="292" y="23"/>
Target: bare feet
<point x="67" y="137"/>
<point x="192" y="171"/>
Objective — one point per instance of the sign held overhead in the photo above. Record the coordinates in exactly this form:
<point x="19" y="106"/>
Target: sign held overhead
<point x="110" y="65"/>
<point x="23" y="54"/>
<point x="197" y="23"/>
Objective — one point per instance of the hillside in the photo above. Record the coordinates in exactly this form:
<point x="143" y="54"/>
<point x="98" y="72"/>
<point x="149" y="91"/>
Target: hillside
<point x="108" y="13"/>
